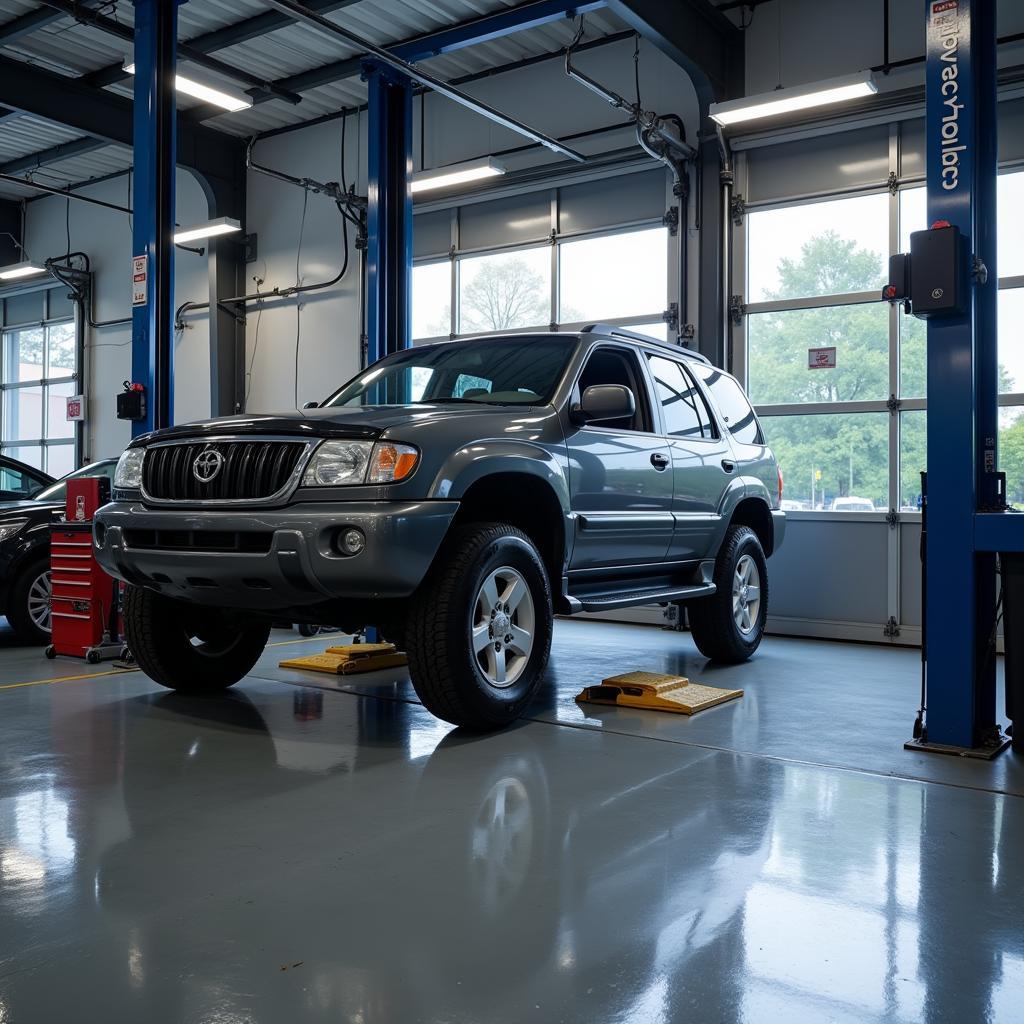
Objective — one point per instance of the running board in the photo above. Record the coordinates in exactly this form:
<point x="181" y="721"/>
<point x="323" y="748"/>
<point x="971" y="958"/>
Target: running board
<point x="621" y="599"/>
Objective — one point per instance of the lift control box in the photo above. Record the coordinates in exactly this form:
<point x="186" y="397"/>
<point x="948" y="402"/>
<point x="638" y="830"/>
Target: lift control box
<point x="937" y="271"/>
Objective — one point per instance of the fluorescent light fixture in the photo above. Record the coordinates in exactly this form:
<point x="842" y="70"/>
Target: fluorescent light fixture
<point x="798" y="97"/>
<point x="220" y="226"/>
<point x="17" y="270"/>
<point x="228" y="100"/>
<point x="456" y="174"/>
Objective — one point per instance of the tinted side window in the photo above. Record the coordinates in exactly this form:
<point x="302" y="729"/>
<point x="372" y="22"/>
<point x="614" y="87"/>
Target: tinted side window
<point x="15" y="484"/>
<point x="732" y="404"/>
<point x="681" y="401"/>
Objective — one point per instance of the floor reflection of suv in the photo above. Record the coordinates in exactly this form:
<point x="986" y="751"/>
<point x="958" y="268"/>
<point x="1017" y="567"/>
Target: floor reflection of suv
<point x="457" y="496"/>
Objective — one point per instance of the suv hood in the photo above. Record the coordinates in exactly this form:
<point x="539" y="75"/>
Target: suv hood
<point x="368" y="421"/>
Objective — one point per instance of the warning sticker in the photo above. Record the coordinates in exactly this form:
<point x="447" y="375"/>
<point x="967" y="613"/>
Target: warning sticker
<point x="944" y="5"/>
<point x="821" y="358"/>
<point x="140" y="280"/>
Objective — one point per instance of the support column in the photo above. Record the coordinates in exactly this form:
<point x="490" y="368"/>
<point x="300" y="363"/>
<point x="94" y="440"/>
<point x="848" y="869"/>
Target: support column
<point x="962" y="375"/>
<point x="154" y="138"/>
<point x="389" y="213"/>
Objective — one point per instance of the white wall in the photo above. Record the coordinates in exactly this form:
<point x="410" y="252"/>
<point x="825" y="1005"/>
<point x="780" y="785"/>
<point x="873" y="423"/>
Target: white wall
<point x="540" y="95"/>
<point x="826" y="39"/>
<point x="106" y="236"/>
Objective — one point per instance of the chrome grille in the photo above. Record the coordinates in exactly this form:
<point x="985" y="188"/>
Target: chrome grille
<point x="251" y="470"/>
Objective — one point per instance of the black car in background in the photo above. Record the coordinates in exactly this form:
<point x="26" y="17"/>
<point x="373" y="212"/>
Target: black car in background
<point x="19" y="482"/>
<point x="25" y="552"/>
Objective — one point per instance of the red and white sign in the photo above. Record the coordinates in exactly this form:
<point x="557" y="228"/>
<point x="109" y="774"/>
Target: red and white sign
<point x="140" y="280"/>
<point x="944" y="5"/>
<point x="76" y="408"/>
<point x="821" y="358"/>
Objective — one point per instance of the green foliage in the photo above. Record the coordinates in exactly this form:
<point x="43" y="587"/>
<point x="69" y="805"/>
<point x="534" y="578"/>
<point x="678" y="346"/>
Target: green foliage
<point x="1011" y="458"/>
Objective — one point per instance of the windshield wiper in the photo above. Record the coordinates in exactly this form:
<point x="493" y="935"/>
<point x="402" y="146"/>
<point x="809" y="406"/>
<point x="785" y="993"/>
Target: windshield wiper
<point x="454" y="398"/>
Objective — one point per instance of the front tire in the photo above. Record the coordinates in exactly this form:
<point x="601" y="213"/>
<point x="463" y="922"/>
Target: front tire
<point x="189" y="649"/>
<point x="479" y="633"/>
<point x="728" y="626"/>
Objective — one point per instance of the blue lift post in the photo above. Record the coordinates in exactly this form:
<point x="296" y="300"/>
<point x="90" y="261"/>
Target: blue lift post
<point x="155" y="117"/>
<point x="962" y="357"/>
<point x="389" y="211"/>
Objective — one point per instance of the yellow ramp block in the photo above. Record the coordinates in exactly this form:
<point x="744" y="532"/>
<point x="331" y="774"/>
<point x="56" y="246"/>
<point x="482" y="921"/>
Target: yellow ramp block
<point x="348" y="659"/>
<point x="653" y="692"/>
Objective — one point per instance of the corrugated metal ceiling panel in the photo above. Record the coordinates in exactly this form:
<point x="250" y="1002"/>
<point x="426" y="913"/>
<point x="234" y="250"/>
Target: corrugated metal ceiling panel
<point x="74" y="49"/>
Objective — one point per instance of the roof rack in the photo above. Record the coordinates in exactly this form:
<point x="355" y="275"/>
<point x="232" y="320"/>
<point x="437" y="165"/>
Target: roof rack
<point x="621" y="332"/>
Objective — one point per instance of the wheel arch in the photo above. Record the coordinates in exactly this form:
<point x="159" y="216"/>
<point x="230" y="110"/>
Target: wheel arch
<point x="755" y="513"/>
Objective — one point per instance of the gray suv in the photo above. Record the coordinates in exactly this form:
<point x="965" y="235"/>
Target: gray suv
<point x="456" y="496"/>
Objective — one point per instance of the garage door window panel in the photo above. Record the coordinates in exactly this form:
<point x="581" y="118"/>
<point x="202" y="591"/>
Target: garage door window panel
<point x="783" y="343"/>
<point x="505" y="290"/>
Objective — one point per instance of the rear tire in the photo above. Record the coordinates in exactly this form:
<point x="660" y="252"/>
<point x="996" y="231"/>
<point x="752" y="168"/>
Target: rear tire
<point x="728" y="627"/>
<point x="29" y="613"/>
<point x="187" y="648"/>
<point x="479" y="631"/>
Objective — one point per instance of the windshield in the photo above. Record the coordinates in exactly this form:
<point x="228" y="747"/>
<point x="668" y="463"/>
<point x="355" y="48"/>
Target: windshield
<point x="56" y="492"/>
<point x="513" y="371"/>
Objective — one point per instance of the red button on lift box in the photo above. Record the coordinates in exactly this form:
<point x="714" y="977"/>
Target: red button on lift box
<point x="84" y="601"/>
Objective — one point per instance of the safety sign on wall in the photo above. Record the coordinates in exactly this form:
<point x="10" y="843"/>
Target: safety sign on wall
<point x="76" y="408"/>
<point x="821" y="358"/>
<point x="140" y="280"/>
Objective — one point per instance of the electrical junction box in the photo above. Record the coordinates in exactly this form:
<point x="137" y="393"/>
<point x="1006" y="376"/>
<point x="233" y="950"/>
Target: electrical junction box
<point x="131" y="403"/>
<point x="937" y="272"/>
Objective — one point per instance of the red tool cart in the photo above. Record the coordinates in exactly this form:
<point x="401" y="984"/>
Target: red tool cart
<point x="84" y="602"/>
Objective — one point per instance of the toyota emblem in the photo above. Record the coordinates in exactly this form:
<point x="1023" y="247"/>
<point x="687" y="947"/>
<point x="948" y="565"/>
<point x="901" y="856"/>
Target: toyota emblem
<point x="207" y="465"/>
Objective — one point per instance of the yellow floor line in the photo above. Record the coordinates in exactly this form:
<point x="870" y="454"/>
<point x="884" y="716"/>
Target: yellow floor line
<point x="69" y="679"/>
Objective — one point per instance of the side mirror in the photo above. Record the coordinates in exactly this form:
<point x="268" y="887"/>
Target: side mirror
<point x="604" y="402"/>
<point x="311" y="405"/>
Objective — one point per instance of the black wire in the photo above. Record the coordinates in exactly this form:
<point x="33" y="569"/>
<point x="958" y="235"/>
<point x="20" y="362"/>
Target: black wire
<point x="67" y="223"/>
<point x="344" y="125"/>
<point x="252" y="360"/>
<point x="636" y="69"/>
<point x="298" y="283"/>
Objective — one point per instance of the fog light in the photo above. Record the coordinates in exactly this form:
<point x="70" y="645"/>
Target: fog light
<point x="351" y="541"/>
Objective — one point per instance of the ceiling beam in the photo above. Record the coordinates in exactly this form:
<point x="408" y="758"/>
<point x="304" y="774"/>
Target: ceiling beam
<point x="694" y="34"/>
<point x="63" y="151"/>
<point x="32" y="21"/>
<point x="230" y="35"/>
<point x="107" y="116"/>
<point x="429" y="44"/>
<point x="73" y="9"/>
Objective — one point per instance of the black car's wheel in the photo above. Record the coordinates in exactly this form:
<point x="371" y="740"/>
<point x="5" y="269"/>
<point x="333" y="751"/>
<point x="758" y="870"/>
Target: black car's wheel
<point x="728" y="626"/>
<point x="29" y="613"/>
<point x="479" y="632"/>
<point x="191" y="649"/>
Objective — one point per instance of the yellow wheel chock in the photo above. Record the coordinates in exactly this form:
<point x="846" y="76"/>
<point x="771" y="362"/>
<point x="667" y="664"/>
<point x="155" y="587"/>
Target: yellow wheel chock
<point x="653" y="692"/>
<point x="348" y="659"/>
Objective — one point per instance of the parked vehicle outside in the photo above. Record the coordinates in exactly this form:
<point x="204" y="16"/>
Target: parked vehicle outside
<point x="25" y="554"/>
<point x="457" y="496"/>
<point x="853" y="504"/>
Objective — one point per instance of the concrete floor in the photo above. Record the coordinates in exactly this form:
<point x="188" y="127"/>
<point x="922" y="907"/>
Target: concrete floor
<point x="288" y="854"/>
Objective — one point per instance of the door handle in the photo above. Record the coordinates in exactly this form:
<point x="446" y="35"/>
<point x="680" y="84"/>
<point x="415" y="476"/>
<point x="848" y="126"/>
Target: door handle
<point x="659" y="461"/>
<point x="728" y="465"/>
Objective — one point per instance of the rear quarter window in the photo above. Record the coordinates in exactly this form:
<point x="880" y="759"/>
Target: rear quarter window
<point x="732" y="403"/>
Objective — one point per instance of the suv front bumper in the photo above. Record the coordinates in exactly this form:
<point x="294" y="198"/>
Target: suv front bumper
<point x="271" y="559"/>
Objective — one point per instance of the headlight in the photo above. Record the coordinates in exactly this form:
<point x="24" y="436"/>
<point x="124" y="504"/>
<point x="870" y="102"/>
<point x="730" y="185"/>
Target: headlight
<point x="336" y="463"/>
<point x="128" y="475"/>
<point x="344" y="463"/>
<point x="8" y="530"/>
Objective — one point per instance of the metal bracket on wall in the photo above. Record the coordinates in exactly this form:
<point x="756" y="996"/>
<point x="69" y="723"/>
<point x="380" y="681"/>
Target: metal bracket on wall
<point x="737" y="209"/>
<point x="689" y="332"/>
<point x="893" y="405"/>
<point x="250" y="244"/>
<point x="891" y="630"/>
<point x="893" y="182"/>
<point x="737" y="309"/>
<point x="671" y="316"/>
<point x="671" y="220"/>
<point x="892" y="517"/>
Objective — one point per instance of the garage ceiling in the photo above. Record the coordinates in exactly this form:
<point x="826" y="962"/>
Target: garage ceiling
<point x="295" y="58"/>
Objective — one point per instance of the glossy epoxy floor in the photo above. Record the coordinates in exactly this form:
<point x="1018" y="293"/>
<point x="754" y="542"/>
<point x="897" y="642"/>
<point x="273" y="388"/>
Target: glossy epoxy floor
<point x="293" y="854"/>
